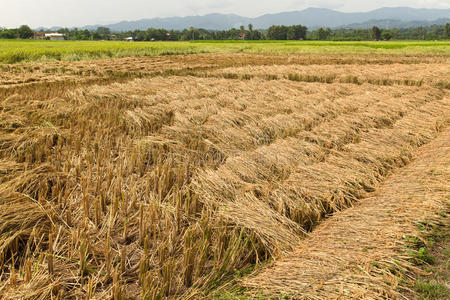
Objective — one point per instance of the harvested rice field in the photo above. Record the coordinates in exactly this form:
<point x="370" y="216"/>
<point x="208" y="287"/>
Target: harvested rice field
<point x="220" y="175"/>
<point x="360" y="252"/>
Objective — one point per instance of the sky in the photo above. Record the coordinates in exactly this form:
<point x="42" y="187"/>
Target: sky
<point x="70" y="13"/>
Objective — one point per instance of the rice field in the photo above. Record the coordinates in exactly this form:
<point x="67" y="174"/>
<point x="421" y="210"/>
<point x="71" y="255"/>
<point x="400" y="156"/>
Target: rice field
<point x="14" y="51"/>
<point x="166" y="177"/>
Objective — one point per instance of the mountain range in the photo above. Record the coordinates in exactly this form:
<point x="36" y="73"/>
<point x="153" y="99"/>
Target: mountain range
<point x="311" y="17"/>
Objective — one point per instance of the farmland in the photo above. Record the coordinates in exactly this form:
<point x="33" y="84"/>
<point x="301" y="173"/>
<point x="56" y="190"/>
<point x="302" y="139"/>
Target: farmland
<point x="165" y="176"/>
<point x="13" y="51"/>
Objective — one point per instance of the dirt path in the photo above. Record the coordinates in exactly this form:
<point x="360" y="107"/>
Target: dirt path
<point x="360" y="252"/>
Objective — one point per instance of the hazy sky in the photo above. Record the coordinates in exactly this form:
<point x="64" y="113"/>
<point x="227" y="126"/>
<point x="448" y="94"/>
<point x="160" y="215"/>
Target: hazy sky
<point x="89" y="12"/>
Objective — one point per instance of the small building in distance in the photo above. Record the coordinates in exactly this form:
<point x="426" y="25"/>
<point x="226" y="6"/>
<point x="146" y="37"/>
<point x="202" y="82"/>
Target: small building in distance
<point x="129" y="39"/>
<point x="39" y="36"/>
<point x="55" y="36"/>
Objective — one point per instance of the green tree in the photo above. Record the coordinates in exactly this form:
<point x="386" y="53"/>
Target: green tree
<point x="421" y="33"/>
<point x="96" y="36"/>
<point x="296" y="32"/>
<point x="376" y="33"/>
<point x="387" y="35"/>
<point x="194" y="33"/>
<point x="323" y="34"/>
<point x="103" y="30"/>
<point x="447" y="31"/>
<point x="277" y="32"/>
<point x="85" y="35"/>
<point x="8" y="34"/>
<point x="25" y="32"/>
<point x="395" y="33"/>
<point x="139" y="36"/>
<point x="257" y="35"/>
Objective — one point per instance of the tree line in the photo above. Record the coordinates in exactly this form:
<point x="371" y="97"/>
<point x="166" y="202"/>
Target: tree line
<point x="295" y="32"/>
<point x="433" y="32"/>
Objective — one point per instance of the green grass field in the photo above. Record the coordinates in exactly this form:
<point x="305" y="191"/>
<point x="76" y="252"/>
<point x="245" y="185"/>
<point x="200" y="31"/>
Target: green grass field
<point x="14" y="51"/>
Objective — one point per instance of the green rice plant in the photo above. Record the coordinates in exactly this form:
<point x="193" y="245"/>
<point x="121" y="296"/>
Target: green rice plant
<point x="15" y="51"/>
<point x="432" y="290"/>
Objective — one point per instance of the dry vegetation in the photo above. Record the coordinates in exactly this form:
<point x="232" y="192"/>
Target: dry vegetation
<point x="160" y="177"/>
<point x="375" y="250"/>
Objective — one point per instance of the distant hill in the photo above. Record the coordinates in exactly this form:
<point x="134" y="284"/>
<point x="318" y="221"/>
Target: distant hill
<point x="311" y="17"/>
<point x="391" y="23"/>
<point x="321" y="17"/>
<point x="210" y="21"/>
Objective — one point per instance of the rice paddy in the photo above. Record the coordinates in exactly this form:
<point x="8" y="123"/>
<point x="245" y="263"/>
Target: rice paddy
<point x="14" y="51"/>
<point x="163" y="177"/>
